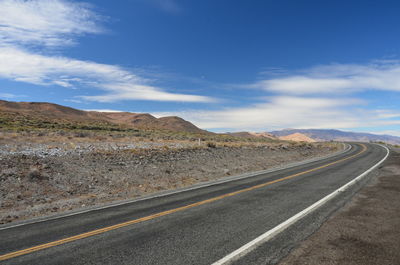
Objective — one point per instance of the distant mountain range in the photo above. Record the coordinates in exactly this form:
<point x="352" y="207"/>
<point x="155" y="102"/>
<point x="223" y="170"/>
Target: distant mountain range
<point x="253" y="135"/>
<point x="49" y="114"/>
<point x="337" y="135"/>
<point x="297" y="137"/>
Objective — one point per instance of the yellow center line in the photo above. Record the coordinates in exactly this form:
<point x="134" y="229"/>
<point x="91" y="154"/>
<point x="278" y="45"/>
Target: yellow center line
<point x="160" y="214"/>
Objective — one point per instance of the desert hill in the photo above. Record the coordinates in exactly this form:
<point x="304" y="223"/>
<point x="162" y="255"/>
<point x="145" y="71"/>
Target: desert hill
<point x="297" y="137"/>
<point x="43" y="112"/>
<point x="44" y="108"/>
<point x="177" y="123"/>
<point x="147" y="121"/>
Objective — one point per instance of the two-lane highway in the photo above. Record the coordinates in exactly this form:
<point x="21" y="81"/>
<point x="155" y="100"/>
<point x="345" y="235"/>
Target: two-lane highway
<point x="198" y="226"/>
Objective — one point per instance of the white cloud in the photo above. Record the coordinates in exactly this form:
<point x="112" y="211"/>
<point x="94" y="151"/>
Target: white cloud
<point x="386" y="114"/>
<point x="277" y="112"/>
<point x="319" y="97"/>
<point x="119" y="84"/>
<point x="337" y="79"/>
<point x="7" y="95"/>
<point x="289" y="112"/>
<point x="387" y="132"/>
<point x="24" y="23"/>
<point x="45" y="22"/>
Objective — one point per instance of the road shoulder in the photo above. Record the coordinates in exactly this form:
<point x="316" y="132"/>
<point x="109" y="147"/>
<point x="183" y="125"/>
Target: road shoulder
<point x="365" y="231"/>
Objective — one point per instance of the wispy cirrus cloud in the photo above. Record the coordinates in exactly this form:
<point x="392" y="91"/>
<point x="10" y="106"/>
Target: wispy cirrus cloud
<point x="319" y="97"/>
<point x="280" y="112"/>
<point x="7" y="95"/>
<point x="337" y="79"/>
<point x="324" y="96"/>
<point x="56" y="23"/>
<point x="45" y="22"/>
<point x="387" y="132"/>
<point x="118" y="84"/>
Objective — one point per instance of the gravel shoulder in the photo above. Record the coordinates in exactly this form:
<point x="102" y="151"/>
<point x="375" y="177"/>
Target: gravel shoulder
<point x="38" y="180"/>
<point x="366" y="231"/>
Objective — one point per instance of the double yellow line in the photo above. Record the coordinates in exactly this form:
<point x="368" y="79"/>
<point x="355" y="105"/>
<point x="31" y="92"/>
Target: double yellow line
<point x="160" y="214"/>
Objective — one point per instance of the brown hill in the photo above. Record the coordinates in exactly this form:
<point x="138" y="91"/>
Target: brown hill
<point x="38" y="108"/>
<point x="297" y="137"/>
<point x="136" y="120"/>
<point x="177" y="123"/>
<point x="147" y="121"/>
<point x="49" y="112"/>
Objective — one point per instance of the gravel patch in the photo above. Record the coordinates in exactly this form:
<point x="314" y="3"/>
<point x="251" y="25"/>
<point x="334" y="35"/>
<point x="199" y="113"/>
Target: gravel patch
<point x="70" y="148"/>
<point x="36" y="182"/>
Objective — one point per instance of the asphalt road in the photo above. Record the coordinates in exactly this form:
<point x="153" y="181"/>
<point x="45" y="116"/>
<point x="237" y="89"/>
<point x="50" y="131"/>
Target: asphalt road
<point x="199" y="226"/>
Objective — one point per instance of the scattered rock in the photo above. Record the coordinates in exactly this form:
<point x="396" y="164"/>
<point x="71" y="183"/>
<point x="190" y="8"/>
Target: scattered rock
<point x="88" y="175"/>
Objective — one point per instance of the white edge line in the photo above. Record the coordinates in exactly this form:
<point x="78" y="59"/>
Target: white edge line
<point x="167" y="193"/>
<point x="245" y="249"/>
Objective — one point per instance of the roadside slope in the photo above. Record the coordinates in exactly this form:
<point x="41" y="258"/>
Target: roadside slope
<point x="36" y="183"/>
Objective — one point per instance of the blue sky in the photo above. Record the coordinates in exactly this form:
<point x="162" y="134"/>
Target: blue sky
<point x="225" y="65"/>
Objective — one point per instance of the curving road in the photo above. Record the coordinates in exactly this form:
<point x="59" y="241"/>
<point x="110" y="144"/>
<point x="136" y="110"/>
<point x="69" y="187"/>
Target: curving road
<point x="198" y="226"/>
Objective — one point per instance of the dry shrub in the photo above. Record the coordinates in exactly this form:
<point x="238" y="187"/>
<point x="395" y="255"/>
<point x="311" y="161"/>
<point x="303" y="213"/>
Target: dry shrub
<point x="211" y="145"/>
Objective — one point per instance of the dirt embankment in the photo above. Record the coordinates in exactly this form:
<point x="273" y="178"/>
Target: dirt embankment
<point x="366" y="231"/>
<point x="37" y="183"/>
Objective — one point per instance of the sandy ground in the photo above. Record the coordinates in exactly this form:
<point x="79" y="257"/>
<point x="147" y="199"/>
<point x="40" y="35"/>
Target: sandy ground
<point x="36" y="180"/>
<point x="366" y="231"/>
